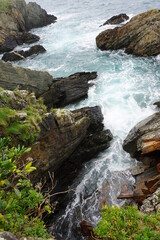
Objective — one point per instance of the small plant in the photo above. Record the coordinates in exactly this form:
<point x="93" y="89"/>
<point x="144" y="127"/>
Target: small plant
<point x="21" y="205"/>
<point x="127" y="223"/>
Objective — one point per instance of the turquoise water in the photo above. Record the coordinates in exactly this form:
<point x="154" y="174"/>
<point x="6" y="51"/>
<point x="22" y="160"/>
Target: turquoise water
<point x="125" y="89"/>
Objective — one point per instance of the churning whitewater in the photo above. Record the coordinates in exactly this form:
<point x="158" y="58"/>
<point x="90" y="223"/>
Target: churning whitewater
<point x="125" y="89"/>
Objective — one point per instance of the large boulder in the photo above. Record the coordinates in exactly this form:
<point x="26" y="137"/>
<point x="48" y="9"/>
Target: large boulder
<point x="55" y="92"/>
<point x="141" y="36"/>
<point x="144" y="138"/>
<point x="16" y="18"/>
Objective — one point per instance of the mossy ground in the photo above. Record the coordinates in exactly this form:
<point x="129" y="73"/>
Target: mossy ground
<point x="5" y="5"/>
<point x="21" y="125"/>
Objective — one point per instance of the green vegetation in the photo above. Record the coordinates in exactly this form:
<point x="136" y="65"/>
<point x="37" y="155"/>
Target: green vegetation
<point x="21" y="205"/>
<point x="21" y="125"/>
<point x="5" y="5"/>
<point x="127" y="223"/>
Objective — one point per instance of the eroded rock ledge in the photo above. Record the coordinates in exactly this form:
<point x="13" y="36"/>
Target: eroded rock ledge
<point x="140" y="36"/>
<point x="16" y="18"/>
<point x="143" y="142"/>
<point x="55" y="92"/>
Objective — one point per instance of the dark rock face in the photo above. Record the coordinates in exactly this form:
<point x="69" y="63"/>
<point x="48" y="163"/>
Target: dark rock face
<point x="96" y="140"/>
<point x="141" y="36"/>
<point x="37" y="17"/>
<point x="20" y="18"/>
<point x="116" y="19"/>
<point x="27" y="38"/>
<point x="23" y="78"/>
<point x="56" y="93"/>
<point x="65" y="138"/>
<point x="20" y="55"/>
<point x="68" y="90"/>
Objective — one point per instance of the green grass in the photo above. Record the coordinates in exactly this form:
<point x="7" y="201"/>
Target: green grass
<point x="24" y="130"/>
<point x="5" y="5"/>
<point x="127" y="223"/>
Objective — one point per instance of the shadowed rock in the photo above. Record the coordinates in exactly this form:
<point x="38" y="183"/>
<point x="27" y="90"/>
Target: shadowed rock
<point x="55" y="92"/>
<point x="141" y="36"/>
<point x="116" y="19"/>
<point x="20" y="55"/>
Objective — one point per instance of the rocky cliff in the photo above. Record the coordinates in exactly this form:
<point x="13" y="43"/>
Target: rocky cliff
<point x="143" y="142"/>
<point x="55" y="92"/>
<point x="140" y="36"/>
<point x="16" y="18"/>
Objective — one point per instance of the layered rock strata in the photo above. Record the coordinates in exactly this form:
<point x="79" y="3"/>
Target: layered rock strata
<point x="55" y="92"/>
<point x="143" y="142"/>
<point x="140" y="36"/>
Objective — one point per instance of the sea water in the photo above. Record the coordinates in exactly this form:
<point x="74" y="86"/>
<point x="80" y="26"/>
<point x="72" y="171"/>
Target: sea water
<point x="125" y="89"/>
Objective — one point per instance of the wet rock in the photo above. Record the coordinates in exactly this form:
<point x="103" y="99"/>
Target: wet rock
<point x="20" y="55"/>
<point x="141" y="36"/>
<point x="17" y="20"/>
<point x="28" y="38"/>
<point x="116" y="19"/>
<point x="157" y="104"/>
<point x="55" y="92"/>
<point x="69" y="89"/>
<point x="144" y="138"/>
<point x="87" y="228"/>
<point x="37" y="17"/>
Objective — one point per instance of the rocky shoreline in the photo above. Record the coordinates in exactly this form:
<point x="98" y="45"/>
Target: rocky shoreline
<point x="67" y="139"/>
<point x="16" y="19"/>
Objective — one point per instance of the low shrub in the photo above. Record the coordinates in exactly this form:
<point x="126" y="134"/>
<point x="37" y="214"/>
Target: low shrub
<point x="127" y="223"/>
<point x="21" y="205"/>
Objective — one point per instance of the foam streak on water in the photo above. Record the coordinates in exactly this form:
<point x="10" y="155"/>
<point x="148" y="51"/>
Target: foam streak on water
<point x="125" y="89"/>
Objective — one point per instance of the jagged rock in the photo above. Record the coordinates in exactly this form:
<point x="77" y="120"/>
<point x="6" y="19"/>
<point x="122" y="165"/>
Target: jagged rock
<point x="28" y="38"/>
<point x="116" y="19"/>
<point x="141" y="36"/>
<point x="152" y="203"/>
<point x="64" y="138"/>
<point x="144" y="138"/>
<point x="56" y="93"/>
<point x="20" y="55"/>
<point x="143" y="142"/>
<point x="16" y="19"/>
<point x="68" y="90"/>
<point x="37" y="17"/>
